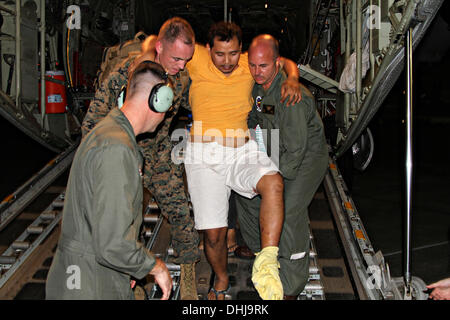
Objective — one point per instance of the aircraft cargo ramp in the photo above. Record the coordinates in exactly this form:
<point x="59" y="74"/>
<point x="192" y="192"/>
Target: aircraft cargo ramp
<point x="343" y="262"/>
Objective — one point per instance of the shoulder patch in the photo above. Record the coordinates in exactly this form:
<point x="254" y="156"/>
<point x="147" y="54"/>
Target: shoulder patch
<point x="258" y="101"/>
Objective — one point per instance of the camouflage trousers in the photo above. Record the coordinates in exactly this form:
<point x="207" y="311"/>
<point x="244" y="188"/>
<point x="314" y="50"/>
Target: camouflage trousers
<point x="164" y="179"/>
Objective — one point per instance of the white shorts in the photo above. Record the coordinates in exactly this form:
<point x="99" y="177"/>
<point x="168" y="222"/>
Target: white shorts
<point x="213" y="170"/>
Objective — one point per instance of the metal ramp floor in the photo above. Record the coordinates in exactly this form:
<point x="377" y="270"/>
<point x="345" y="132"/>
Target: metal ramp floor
<point x="328" y="278"/>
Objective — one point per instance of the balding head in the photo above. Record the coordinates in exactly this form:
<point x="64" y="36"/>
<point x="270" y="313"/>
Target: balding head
<point x="263" y="59"/>
<point x="265" y="42"/>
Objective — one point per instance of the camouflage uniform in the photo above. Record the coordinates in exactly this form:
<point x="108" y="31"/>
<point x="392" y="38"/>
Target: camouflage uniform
<point x="162" y="177"/>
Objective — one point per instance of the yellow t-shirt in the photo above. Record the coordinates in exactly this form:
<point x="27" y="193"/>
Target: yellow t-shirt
<point x="220" y="104"/>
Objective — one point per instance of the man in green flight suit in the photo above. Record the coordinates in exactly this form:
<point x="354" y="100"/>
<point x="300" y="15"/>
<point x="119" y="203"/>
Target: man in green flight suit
<point x="303" y="158"/>
<point x="162" y="177"/>
<point x="98" y="250"/>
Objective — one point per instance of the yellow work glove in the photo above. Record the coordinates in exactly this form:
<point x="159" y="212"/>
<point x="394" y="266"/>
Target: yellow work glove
<point x="265" y="275"/>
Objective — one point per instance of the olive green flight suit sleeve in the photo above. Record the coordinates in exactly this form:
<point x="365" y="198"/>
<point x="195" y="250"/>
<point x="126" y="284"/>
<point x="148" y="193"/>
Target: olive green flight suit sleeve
<point x="117" y="212"/>
<point x="293" y="137"/>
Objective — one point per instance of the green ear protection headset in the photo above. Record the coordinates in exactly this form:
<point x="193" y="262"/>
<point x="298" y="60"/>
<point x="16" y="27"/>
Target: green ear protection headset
<point x="161" y="96"/>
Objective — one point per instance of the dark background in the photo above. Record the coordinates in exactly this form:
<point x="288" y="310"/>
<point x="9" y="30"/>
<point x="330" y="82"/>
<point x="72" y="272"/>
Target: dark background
<point x="379" y="192"/>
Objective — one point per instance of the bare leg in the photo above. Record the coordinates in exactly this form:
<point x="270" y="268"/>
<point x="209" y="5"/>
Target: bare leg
<point x="216" y="253"/>
<point x="201" y="242"/>
<point x="271" y="216"/>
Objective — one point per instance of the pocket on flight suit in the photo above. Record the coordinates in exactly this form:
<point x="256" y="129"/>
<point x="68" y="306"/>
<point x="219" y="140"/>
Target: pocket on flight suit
<point x="71" y="276"/>
<point x="294" y="240"/>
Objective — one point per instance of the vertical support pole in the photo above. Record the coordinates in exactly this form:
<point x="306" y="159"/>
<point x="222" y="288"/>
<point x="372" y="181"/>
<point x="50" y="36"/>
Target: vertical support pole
<point x="18" y="53"/>
<point x="42" y="32"/>
<point x="371" y="56"/>
<point x="358" y="52"/>
<point x="348" y="48"/>
<point x="342" y="25"/>
<point x="409" y="160"/>
<point x="348" y="26"/>
<point x="225" y="10"/>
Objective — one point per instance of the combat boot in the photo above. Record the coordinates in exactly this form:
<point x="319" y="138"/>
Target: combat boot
<point x="188" y="286"/>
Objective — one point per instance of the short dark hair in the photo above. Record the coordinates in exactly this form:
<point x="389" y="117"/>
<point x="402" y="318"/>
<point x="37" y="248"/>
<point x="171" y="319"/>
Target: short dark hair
<point x="175" y="28"/>
<point x="225" y="31"/>
<point x="145" y="67"/>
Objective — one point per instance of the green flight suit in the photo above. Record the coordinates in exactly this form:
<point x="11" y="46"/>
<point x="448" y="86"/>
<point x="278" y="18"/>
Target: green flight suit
<point x="303" y="159"/>
<point x="162" y="177"/>
<point x="98" y="249"/>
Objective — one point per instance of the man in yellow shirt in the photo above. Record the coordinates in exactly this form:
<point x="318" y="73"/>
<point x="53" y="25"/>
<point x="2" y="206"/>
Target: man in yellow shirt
<point x="220" y="156"/>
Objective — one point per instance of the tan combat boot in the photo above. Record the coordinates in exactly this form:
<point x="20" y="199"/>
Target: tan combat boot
<point x="188" y="287"/>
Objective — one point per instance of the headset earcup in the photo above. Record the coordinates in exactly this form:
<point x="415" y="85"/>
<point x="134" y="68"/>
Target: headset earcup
<point x="161" y="98"/>
<point x="122" y="97"/>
